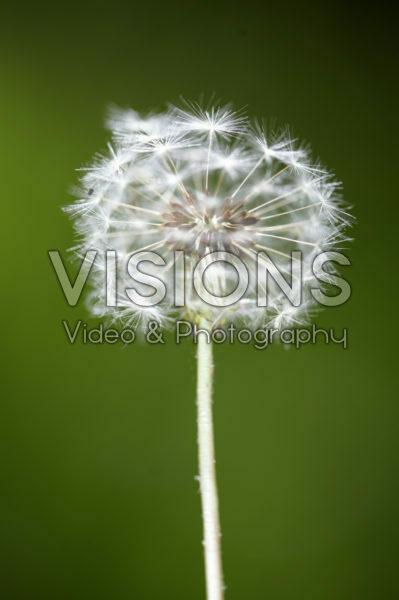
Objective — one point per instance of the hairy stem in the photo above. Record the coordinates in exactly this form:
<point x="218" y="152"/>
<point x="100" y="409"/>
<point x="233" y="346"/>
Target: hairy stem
<point x="207" y="472"/>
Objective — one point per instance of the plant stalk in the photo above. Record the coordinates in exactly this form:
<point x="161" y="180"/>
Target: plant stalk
<point x="207" y="471"/>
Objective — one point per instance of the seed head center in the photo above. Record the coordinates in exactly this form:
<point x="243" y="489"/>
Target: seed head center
<point x="195" y="224"/>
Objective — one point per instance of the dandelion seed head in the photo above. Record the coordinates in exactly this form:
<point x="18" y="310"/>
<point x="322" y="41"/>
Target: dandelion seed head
<point x="203" y="181"/>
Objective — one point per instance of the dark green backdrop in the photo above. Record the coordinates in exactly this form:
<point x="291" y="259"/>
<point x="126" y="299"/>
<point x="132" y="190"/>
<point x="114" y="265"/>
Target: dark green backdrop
<point x="98" y="444"/>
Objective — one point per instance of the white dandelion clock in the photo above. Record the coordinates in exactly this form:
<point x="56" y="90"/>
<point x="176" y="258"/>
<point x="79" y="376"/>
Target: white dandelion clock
<point x="192" y="186"/>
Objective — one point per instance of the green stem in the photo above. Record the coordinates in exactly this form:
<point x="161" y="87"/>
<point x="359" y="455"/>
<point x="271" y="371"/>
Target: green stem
<point x="207" y="472"/>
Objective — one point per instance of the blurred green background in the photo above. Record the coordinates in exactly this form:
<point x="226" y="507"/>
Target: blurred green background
<point x="98" y="443"/>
